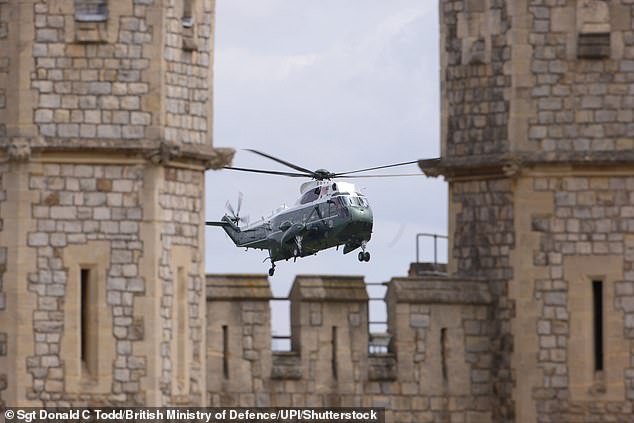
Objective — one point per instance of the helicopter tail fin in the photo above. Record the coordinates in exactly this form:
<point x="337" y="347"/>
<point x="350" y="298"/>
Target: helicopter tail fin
<point x="229" y="226"/>
<point x="216" y="223"/>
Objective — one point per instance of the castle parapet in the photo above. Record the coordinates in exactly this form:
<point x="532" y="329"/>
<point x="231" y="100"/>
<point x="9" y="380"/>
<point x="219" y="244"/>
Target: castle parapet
<point x="438" y="362"/>
<point x="329" y="330"/>
<point x="239" y="337"/>
<point x="438" y="289"/>
<point x="441" y="332"/>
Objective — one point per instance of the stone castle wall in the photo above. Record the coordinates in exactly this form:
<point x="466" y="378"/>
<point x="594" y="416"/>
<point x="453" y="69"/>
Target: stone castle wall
<point x="89" y="206"/>
<point x="94" y="214"/>
<point x="581" y="95"/>
<point x="585" y="236"/>
<point x="541" y="206"/>
<point x="98" y="88"/>
<point x="4" y="64"/>
<point x="439" y="366"/>
<point x="103" y="151"/>
<point x="102" y="89"/>
<point x="4" y="335"/>
<point x="482" y="242"/>
<point x="478" y="48"/>
<point x="188" y="74"/>
<point x="538" y="77"/>
<point x="181" y="233"/>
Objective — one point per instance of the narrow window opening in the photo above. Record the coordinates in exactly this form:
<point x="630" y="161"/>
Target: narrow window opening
<point x="84" y="277"/>
<point x="91" y="10"/>
<point x="87" y="336"/>
<point x="334" y="352"/>
<point x="225" y="351"/>
<point x="188" y="19"/>
<point x="597" y="300"/>
<point x="443" y="353"/>
<point x="181" y="338"/>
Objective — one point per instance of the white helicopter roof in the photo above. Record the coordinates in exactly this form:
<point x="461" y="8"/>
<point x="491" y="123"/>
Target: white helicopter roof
<point x="337" y="186"/>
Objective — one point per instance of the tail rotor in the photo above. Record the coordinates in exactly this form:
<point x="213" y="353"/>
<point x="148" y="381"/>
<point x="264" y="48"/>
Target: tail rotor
<point x="234" y="214"/>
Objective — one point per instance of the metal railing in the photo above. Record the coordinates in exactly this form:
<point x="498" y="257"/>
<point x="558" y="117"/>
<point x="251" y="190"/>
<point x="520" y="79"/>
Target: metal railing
<point x="281" y="343"/>
<point x="378" y="341"/>
<point x="426" y="235"/>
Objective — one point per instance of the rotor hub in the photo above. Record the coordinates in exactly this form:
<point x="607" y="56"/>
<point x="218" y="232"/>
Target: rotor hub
<point x="321" y="174"/>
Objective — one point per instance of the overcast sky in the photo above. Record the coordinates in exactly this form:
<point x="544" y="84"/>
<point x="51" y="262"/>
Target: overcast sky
<point x="335" y="84"/>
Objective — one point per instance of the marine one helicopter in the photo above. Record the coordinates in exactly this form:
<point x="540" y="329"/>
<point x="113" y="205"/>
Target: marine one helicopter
<point x="328" y="214"/>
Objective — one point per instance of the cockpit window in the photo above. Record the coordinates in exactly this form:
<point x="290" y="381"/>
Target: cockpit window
<point x="349" y="200"/>
<point x="309" y="196"/>
<point x="356" y="201"/>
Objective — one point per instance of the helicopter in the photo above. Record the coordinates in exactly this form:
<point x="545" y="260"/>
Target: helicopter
<point x="329" y="213"/>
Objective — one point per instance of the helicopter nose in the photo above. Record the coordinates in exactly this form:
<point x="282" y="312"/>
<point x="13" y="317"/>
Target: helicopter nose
<point x="361" y="222"/>
<point x="361" y="214"/>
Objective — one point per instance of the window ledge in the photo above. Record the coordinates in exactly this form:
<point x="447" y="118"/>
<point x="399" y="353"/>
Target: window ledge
<point x="91" y="31"/>
<point x="189" y="39"/>
<point x="91" y="17"/>
<point x="190" y="44"/>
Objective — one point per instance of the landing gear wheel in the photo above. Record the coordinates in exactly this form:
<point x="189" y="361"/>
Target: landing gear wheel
<point x="361" y="256"/>
<point x="366" y="256"/>
<point x="272" y="271"/>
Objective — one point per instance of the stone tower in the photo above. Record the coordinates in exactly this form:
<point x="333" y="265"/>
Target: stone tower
<point x="105" y="133"/>
<point x="537" y="146"/>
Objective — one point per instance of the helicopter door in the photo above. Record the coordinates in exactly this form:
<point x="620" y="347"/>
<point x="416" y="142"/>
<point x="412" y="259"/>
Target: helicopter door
<point x="328" y="212"/>
<point x="334" y="207"/>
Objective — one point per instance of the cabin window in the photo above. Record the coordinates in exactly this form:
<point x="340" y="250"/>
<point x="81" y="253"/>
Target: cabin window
<point x="91" y="10"/>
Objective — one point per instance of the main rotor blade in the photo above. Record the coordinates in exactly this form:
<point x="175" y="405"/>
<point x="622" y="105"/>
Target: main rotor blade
<point x="270" y="172"/>
<point x="285" y="163"/>
<point x="375" y="168"/>
<point x="381" y="176"/>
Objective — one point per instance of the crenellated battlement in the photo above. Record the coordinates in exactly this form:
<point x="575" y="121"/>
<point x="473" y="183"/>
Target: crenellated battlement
<point x="437" y="362"/>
